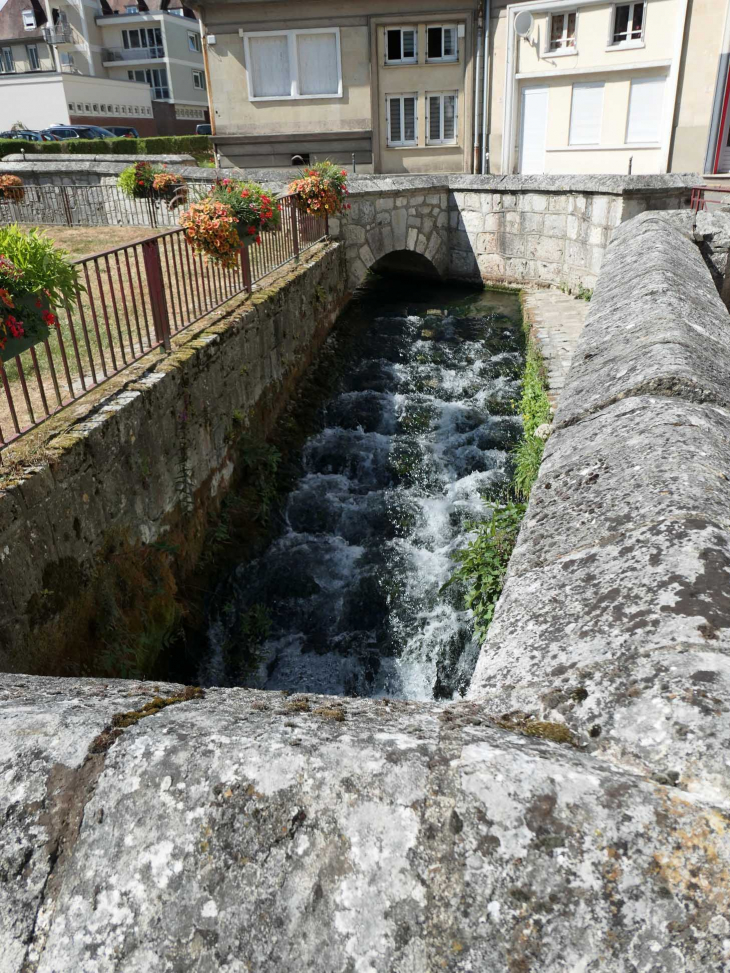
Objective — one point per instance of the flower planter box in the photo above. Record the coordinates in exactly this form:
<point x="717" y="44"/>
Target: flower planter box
<point x="40" y="332"/>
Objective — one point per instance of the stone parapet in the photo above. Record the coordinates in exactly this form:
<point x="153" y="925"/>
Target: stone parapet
<point x="615" y="616"/>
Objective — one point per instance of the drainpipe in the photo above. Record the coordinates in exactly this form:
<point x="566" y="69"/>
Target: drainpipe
<point x="509" y="86"/>
<point x="719" y="106"/>
<point x="475" y="158"/>
<point x="673" y="82"/>
<point x="485" y="90"/>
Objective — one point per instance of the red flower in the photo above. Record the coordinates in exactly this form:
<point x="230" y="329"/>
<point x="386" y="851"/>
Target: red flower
<point x="50" y="319"/>
<point x="251" y="230"/>
<point x="258" y="239"/>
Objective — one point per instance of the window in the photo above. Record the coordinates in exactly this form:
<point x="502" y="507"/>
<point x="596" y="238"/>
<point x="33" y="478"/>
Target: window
<point x="71" y="107"/>
<point x="441" y="44"/>
<point x="7" y="64"/>
<point x="29" y="20"/>
<point x="132" y="9"/>
<point x="401" y="45"/>
<point x="67" y="60"/>
<point x="194" y="41"/>
<point x="103" y="109"/>
<point x="586" y="114"/>
<point x="628" y="23"/>
<point x="87" y="109"/>
<point x="157" y="80"/>
<point x="562" y="32"/>
<point x="401" y="120"/>
<point x="294" y="64"/>
<point x="199" y="80"/>
<point x="646" y="104"/>
<point x="147" y="40"/>
<point x="441" y="119"/>
<point x="32" y="52"/>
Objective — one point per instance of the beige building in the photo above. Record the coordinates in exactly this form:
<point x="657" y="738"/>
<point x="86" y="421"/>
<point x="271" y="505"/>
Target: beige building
<point x="552" y="86"/>
<point x="137" y="64"/>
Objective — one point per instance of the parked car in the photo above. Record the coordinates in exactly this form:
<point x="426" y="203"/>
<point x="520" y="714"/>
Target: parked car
<point x="29" y="136"/>
<point x="79" y="132"/>
<point x="121" y="132"/>
<point x="203" y="130"/>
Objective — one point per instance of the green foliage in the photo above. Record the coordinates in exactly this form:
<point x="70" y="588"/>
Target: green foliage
<point x="535" y="409"/>
<point x="483" y="562"/>
<point x="195" y="145"/>
<point x="528" y="456"/>
<point x="579" y="291"/>
<point x="262" y="463"/>
<point x="45" y="267"/>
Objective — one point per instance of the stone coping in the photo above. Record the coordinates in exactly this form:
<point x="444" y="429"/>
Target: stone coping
<point x="615" y="616"/>
<point x="62" y="157"/>
<point x="362" y="184"/>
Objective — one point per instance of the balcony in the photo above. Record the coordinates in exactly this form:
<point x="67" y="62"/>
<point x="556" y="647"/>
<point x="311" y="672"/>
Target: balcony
<point x="111" y="54"/>
<point x="58" y="34"/>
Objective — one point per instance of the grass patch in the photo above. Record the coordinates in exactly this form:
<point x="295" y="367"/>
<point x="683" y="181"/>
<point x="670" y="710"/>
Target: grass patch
<point x="535" y="410"/>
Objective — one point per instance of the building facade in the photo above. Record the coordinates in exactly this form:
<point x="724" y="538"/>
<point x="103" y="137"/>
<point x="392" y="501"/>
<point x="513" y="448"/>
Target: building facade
<point x="548" y="86"/>
<point x="106" y="63"/>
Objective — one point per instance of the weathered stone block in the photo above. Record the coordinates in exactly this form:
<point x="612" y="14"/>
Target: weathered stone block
<point x="384" y="203"/>
<point x="555" y="224"/>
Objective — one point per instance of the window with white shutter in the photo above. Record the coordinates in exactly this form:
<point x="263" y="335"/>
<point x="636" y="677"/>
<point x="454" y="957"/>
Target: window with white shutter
<point x="401" y="120"/>
<point x="586" y="114"/>
<point x="646" y="105"/>
<point x="293" y="64"/>
<point x="441" y="118"/>
<point x="401" y="45"/>
<point x="441" y="44"/>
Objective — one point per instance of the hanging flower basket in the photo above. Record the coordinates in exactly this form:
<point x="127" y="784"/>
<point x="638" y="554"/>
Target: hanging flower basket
<point x="143" y="180"/>
<point x="232" y="215"/>
<point x="35" y="276"/>
<point x="322" y="190"/>
<point x="170" y="188"/>
<point x="11" y="188"/>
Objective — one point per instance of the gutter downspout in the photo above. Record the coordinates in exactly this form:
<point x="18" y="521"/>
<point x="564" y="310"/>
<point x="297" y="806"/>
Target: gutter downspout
<point x="475" y="155"/>
<point x="673" y="83"/>
<point x="206" y="68"/>
<point x="485" y="89"/>
<point x="719" y="105"/>
<point x="509" y="84"/>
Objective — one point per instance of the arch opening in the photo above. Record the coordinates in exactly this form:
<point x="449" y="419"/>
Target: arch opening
<point x="406" y="263"/>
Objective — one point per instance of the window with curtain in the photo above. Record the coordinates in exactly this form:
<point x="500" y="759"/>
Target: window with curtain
<point x="401" y="120"/>
<point x="294" y="64"/>
<point x="646" y="103"/>
<point x="441" y="44"/>
<point x="562" y="32"/>
<point x="441" y="122"/>
<point x="628" y="23"/>
<point x="586" y="114"/>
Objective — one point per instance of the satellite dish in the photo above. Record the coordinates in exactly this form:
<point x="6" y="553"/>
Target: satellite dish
<point x="524" y="23"/>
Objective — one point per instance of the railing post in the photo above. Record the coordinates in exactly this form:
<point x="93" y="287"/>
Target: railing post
<point x="246" y="269"/>
<point x="153" y="270"/>
<point x="294" y="210"/>
<point x="66" y="207"/>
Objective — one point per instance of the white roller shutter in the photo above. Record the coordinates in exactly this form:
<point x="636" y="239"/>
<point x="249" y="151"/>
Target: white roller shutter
<point x="586" y="114"/>
<point x="317" y="57"/>
<point x="646" y="107"/>
<point x="269" y="68"/>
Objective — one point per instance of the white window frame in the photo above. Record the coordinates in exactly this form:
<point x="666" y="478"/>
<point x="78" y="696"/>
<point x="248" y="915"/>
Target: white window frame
<point x="8" y="61"/>
<point x="199" y="75"/>
<point x="400" y="96"/>
<point x="29" y="21"/>
<point x="401" y="60"/>
<point x="448" y="58"/>
<point x="561" y="51"/>
<point x="634" y="42"/>
<point x="194" y="41"/>
<point x="28" y="49"/>
<point x="441" y="95"/>
<point x="291" y="36"/>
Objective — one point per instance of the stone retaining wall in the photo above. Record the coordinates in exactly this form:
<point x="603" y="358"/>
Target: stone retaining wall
<point x="119" y="469"/>
<point x="615" y="615"/>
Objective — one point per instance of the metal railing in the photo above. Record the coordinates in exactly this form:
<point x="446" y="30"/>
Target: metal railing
<point x="704" y="197"/>
<point x="58" y="34"/>
<point x="135" y="299"/>
<point x="153" y="53"/>
<point x="91" y="206"/>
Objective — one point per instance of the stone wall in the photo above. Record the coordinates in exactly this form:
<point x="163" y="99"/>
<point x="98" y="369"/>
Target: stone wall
<point x="615" y="615"/>
<point x="119" y="468"/>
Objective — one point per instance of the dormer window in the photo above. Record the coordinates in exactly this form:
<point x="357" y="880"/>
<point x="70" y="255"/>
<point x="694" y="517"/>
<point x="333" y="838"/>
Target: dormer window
<point x="562" y="32"/>
<point x="401" y="45"/>
<point x="628" y="24"/>
<point x="29" y="20"/>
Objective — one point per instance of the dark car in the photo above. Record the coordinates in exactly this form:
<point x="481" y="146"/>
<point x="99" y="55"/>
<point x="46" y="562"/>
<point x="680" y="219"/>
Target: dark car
<point x="119" y="131"/>
<point x="28" y="136"/>
<point x="80" y="132"/>
<point x="203" y="130"/>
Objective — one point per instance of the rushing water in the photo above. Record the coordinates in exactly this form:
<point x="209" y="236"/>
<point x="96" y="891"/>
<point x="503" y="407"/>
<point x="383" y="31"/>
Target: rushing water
<point x="347" y="599"/>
